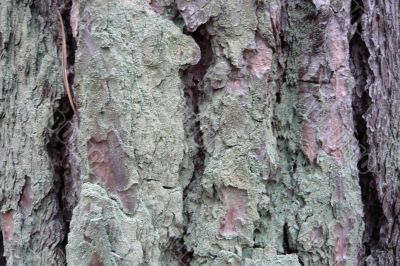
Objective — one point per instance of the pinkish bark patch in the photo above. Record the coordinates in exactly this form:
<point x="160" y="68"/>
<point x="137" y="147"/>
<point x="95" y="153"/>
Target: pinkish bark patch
<point x="333" y="136"/>
<point x="337" y="45"/>
<point x="8" y="225"/>
<point x="261" y="153"/>
<point x="106" y="165"/>
<point x="338" y="195"/>
<point x="258" y="60"/>
<point x="89" y="42"/>
<point x="129" y="198"/>
<point x="340" y="85"/>
<point x="316" y="236"/>
<point x="236" y="87"/>
<point x="25" y="202"/>
<point x="75" y="18"/>
<point x="235" y="201"/>
<point x="156" y="7"/>
<point x="96" y="260"/>
<point x="342" y="245"/>
<point x="195" y="13"/>
<point x="309" y="140"/>
<point x="107" y="168"/>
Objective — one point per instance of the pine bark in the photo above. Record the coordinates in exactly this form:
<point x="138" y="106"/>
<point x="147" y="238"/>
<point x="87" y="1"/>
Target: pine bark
<point x="207" y="132"/>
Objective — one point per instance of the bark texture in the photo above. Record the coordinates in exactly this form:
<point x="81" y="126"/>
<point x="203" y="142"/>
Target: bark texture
<point x="208" y="132"/>
<point x="380" y="34"/>
<point x="33" y="121"/>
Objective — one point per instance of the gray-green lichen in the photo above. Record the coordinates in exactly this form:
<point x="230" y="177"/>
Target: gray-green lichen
<point x="132" y="141"/>
<point x="211" y="132"/>
<point x="272" y="183"/>
<point x="265" y="182"/>
<point x="30" y="91"/>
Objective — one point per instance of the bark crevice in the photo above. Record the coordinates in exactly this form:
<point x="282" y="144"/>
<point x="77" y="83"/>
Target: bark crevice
<point x="287" y="247"/>
<point x="71" y="41"/>
<point x="286" y="243"/>
<point x="3" y="261"/>
<point x="361" y="102"/>
<point x="58" y="152"/>
<point x="180" y="251"/>
<point x="61" y="141"/>
<point x="194" y="92"/>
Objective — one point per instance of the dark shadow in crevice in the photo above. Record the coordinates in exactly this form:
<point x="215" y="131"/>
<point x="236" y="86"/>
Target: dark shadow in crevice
<point x="361" y="101"/>
<point x="357" y="10"/>
<point x="286" y="244"/>
<point x="195" y="94"/>
<point x="61" y="139"/>
<point x="182" y="253"/>
<point x="3" y="261"/>
<point x="70" y="40"/>
<point x="58" y="153"/>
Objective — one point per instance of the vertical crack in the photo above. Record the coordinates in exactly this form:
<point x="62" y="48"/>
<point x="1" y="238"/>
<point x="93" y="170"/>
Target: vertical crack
<point x="286" y="244"/>
<point x="194" y="94"/>
<point x="70" y="40"/>
<point x="61" y="142"/>
<point x="65" y="176"/>
<point x="180" y="251"/>
<point x="360" y="103"/>
<point x="68" y="47"/>
<point x="3" y="261"/>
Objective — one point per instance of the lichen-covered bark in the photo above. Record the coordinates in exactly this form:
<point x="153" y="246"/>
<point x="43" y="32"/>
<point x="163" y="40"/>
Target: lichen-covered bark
<point x="33" y="119"/>
<point x="134" y="155"/>
<point x="280" y="171"/>
<point x="207" y="132"/>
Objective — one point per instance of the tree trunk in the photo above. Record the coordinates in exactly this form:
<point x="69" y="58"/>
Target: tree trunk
<point x="207" y="132"/>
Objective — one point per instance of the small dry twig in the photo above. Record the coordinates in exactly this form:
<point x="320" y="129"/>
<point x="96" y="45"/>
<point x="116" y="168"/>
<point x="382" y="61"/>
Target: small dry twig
<point x="64" y="62"/>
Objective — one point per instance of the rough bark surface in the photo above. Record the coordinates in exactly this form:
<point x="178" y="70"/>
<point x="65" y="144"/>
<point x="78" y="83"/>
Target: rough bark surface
<point x="35" y="165"/>
<point x="380" y="33"/>
<point x="208" y="132"/>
